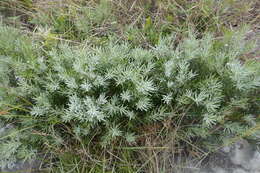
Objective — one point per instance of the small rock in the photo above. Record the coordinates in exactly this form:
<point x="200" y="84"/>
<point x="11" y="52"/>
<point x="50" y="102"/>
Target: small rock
<point x="239" y="170"/>
<point x="254" y="163"/>
<point x="219" y="170"/>
<point x="241" y="154"/>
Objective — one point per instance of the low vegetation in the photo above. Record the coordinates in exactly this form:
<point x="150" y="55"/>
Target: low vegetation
<point x="123" y="87"/>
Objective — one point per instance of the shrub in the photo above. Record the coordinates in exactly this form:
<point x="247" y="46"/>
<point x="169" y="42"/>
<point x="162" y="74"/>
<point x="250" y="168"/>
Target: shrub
<point x="101" y="96"/>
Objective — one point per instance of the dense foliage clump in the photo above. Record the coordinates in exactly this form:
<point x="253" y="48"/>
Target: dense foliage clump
<point x="104" y="96"/>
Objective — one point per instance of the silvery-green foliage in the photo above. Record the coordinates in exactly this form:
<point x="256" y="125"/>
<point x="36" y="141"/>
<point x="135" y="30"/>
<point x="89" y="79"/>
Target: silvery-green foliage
<point x="88" y="17"/>
<point x="243" y="76"/>
<point x="11" y="147"/>
<point x="130" y="137"/>
<point x="110" y="91"/>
